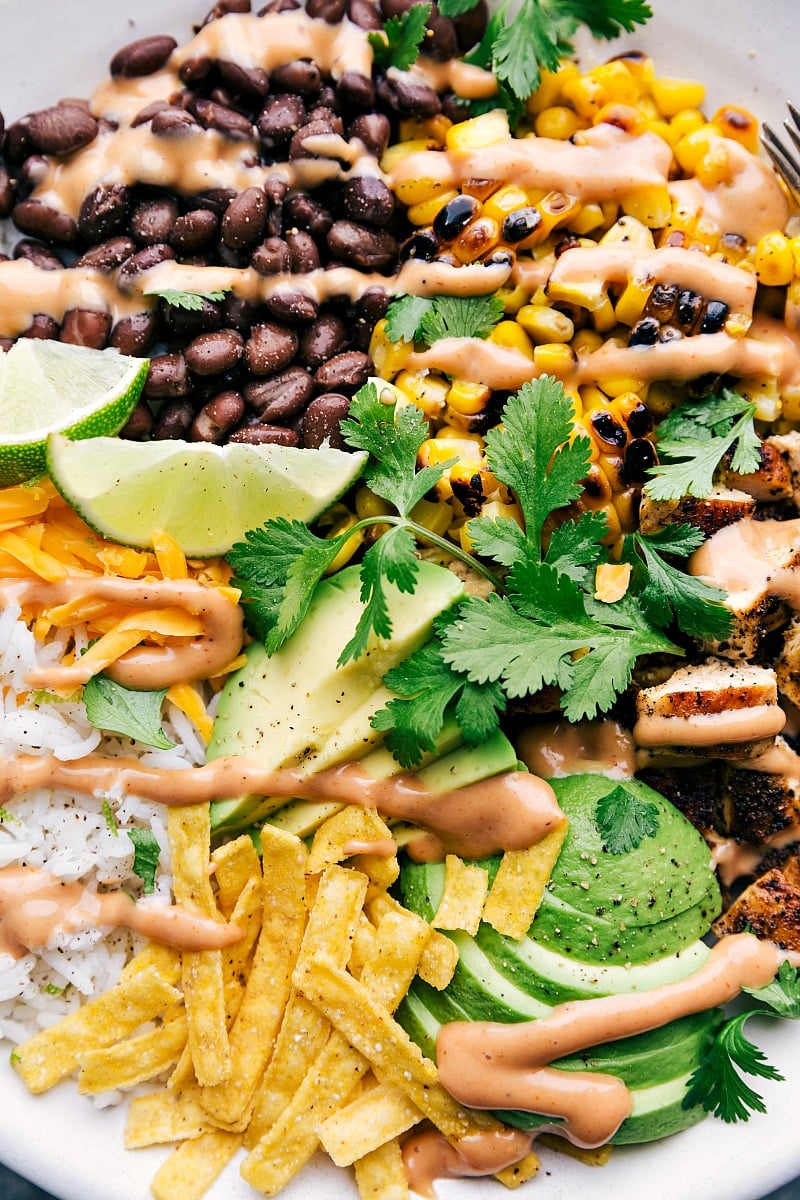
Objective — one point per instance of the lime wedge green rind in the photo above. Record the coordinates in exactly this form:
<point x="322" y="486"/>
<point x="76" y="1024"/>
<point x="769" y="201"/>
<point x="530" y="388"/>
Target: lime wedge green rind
<point x="206" y="497"/>
<point x="47" y="387"/>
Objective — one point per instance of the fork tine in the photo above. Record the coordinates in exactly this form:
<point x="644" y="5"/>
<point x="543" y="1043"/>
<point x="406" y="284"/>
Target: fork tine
<point x="795" y="114"/>
<point x="781" y="158"/>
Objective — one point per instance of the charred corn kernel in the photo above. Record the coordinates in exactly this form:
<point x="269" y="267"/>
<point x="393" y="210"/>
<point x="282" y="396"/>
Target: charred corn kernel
<point x="611" y="581"/>
<point x="472" y="482"/>
<point x="651" y="205"/>
<point x="494" y="510"/>
<point x="765" y="395"/>
<point x="621" y="383"/>
<point x="686" y="121"/>
<point x="480" y="236"/>
<point x="586" y="95"/>
<point x="485" y="130"/>
<point x="556" y="208"/>
<point x="691" y="148"/>
<point x="368" y="504"/>
<point x="738" y="124"/>
<point x="791" y="404"/>
<point x="631" y="230"/>
<point x="389" y="357"/>
<point x="588" y="219"/>
<point x="631" y="120"/>
<point x="426" y="391"/>
<point x="400" y="150"/>
<point x="467" y="397"/>
<point x="737" y="324"/>
<point x="475" y="440"/>
<point x="671" y="95"/>
<point x="481" y="189"/>
<point x="774" y="260"/>
<point x="513" y="298"/>
<point x="630" y="305"/>
<point x="554" y="358"/>
<point x="551" y="85"/>
<point x="620" y="86"/>
<point x="350" y="547"/>
<point x="433" y="516"/>
<point x="512" y="336"/>
<point x="418" y="128"/>
<point x="586" y="341"/>
<point x="714" y="168"/>
<point x="425" y="211"/>
<point x="504" y="201"/>
<point x="557" y="122"/>
<point x="545" y="324"/>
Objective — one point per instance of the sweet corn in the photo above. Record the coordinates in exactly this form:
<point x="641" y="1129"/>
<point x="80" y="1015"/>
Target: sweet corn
<point x="557" y="122"/>
<point x="494" y="510"/>
<point x="393" y="154"/>
<point x="389" y="357"/>
<point x="686" y="121"/>
<point x="738" y="124"/>
<point x="485" y="130"/>
<point x="426" y="391"/>
<point x="423" y="211"/>
<point x="651" y="206"/>
<point x="671" y="95"/>
<point x="512" y="336"/>
<point x="554" y="358"/>
<point x="504" y="201"/>
<point x="774" y="260"/>
<point x="467" y="398"/>
<point x="545" y="324"/>
<point x="435" y="517"/>
<point x="551" y="87"/>
<point x="630" y="305"/>
<point x="350" y="547"/>
<point x="368" y="504"/>
<point x="589" y="218"/>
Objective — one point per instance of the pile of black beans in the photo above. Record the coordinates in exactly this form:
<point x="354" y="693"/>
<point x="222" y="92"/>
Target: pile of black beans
<point x="230" y="370"/>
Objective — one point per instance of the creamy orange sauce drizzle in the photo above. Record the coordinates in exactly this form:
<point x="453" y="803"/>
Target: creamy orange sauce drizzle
<point x="145" y="667"/>
<point x="752" y="557"/>
<point x="35" y="908"/>
<point x="509" y="812"/>
<point x="751" y="202"/>
<point x="555" y="749"/>
<point x="710" y="729"/>
<point x="489" y="1065"/>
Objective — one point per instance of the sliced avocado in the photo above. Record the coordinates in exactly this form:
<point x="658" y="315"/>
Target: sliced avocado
<point x="298" y="708"/>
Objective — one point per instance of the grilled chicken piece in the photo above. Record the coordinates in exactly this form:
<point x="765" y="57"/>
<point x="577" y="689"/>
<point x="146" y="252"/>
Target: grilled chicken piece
<point x="756" y="806"/>
<point x="787" y="665"/>
<point x="773" y="481"/>
<point x="695" y="792"/>
<point x="724" y="506"/>
<point x="719" y="709"/>
<point x="788" y="446"/>
<point x="769" y="907"/>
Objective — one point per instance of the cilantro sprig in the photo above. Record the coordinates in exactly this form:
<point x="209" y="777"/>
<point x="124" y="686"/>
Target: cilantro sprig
<point x="695" y="439"/>
<point x="145" y="857"/>
<point x="191" y="301"/>
<point x="117" y="709"/>
<point x="398" y="45"/>
<point x="427" y="319"/>
<point x="625" y="820"/>
<point x="717" y="1085"/>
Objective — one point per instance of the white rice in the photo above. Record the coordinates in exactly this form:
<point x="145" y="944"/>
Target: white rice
<point x="74" y="837"/>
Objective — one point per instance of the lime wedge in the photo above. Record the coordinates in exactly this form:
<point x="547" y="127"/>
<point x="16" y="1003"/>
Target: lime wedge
<point x="51" y="386"/>
<point x="205" y="497"/>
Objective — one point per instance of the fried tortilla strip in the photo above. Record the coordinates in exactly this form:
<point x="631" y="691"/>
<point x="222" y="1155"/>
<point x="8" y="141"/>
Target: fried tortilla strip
<point x="304" y="1030"/>
<point x="193" y="1167"/>
<point x="519" y="885"/>
<point x="189" y="831"/>
<point x="597" y="1157"/>
<point x="50" y="1055"/>
<point x="161" y="1117"/>
<point x="234" y="864"/>
<point x="164" y="959"/>
<point x="268" y="985"/>
<point x="438" y="960"/>
<point x="519" y="1173"/>
<point x="464" y="895"/>
<point x="344" y="835"/>
<point x="132" y="1060"/>
<point x="369" y="1121"/>
<point x="380" y="1175"/>
<point x="330" y="1081"/>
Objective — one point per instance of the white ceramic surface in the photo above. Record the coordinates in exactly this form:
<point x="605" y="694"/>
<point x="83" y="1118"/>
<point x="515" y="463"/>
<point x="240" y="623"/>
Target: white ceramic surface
<point x="746" y="53"/>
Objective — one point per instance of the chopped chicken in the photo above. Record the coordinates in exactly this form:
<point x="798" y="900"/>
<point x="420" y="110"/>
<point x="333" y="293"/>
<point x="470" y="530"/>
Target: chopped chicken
<point x="788" y="446"/>
<point x="710" y="513"/>
<point x="774" y="479"/>
<point x="769" y="907"/>
<point x="787" y="665"/>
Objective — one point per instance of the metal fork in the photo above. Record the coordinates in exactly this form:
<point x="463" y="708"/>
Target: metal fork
<point x="785" y="160"/>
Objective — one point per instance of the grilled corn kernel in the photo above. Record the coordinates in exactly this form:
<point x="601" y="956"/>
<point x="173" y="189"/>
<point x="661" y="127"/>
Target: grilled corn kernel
<point x="651" y="205"/>
<point x="368" y="504"/>
<point x="586" y="341"/>
<point x="480" y="236"/>
<point x="630" y="230"/>
<point x="467" y="397"/>
<point x="424" y="212"/>
<point x="774" y="260"/>
<point x="513" y="337"/>
<point x="630" y="305"/>
<point x="631" y="120"/>
<point x="389" y="357"/>
<point x="621" y="383"/>
<point x="513" y="298"/>
<point x="738" y="124"/>
<point x="504" y="201"/>
<point x="394" y="154"/>
<point x="351" y="546"/>
<point x="714" y="168"/>
<point x="433" y="516"/>
<point x="586" y="95"/>
<point x="766" y="397"/>
<point x="554" y="358"/>
<point x="619" y="85"/>
<point x="493" y="509"/>
<point x="588" y="219"/>
<point x="545" y="324"/>
<point x="418" y="128"/>
<point x="550" y="89"/>
<point x="791" y="404"/>
<point x="611" y="581"/>
<point x="426" y="391"/>
<point x="691" y="148"/>
<point x="557" y="122"/>
<point x="485" y="130"/>
<point x="686" y="121"/>
<point x="671" y="95"/>
<point x="557" y="208"/>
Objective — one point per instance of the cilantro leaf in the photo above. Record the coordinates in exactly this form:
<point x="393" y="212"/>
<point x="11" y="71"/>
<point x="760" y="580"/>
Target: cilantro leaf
<point x="624" y="820"/>
<point x="717" y="1085"/>
<point x="109" y="817"/>
<point x="117" y="709"/>
<point x="145" y="857"/>
<point x="695" y="439"/>
<point x="391" y="558"/>
<point x="783" y="994"/>
<point x="499" y="538"/>
<point x="669" y="592"/>
<point x="531" y="453"/>
<point x="575" y="547"/>
<point x="192" y="301"/>
<point x="403" y="317"/>
<point x="460" y="316"/>
<point x="404" y="34"/>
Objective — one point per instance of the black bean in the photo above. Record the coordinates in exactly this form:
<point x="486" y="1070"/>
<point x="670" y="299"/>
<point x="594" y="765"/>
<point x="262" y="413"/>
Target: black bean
<point x="422" y="244"/>
<point x="103" y="212"/>
<point x="368" y="200"/>
<point x="215" y="352"/>
<point x="195" y="70"/>
<point x="688" y="310"/>
<point x="146" y="114"/>
<point x="167" y="377"/>
<point x="346" y="371"/>
<point x="311" y="129"/>
<point x="17" y="142"/>
<point x="640" y="456"/>
<point x="40" y="255"/>
<point x="217" y="417"/>
<point x="6" y="193"/>
<point x="308" y="214"/>
<point x="322" y="340"/>
<point x="86" y="327"/>
<point x="371" y="249"/>
<point x="134" y="334"/>
<point x="271" y="257"/>
<point x="223" y="7"/>
<point x="40" y="220"/>
<point x="442" y="42"/>
<point x="279" y="120"/>
<point x="300" y="77"/>
<point x="61" y="129"/>
<point x="364" y="14"/>
<point x="173" y="122"/>
<point x="142" y="57"/>
<point x="152" y="221"/>
<point x="331" y="11"/>
<point x="256" y="434"/>
<point x="174" y="421"/>
<point x="216" y="200"/>
<point x="189" y="322"/>
<point x="520" y="223"/>
<point x="471" y="26"/>
<point x="269" y="348"/>
<point x="30" y="174"/>
<point x="225" y="120"/>
<point x="139" y="424"/>
<point x="108" y="255"/>
<point x="322" y="421"/>
<point x="238" y="313"/>
<point x="243" y="223"/>
<point x="714" y="317"/>
<point x="194" y="231"/>
<point x="281" y="396"/>
<point x="355" y="90"/>
<point x="42" y="326"/>
<point x="453" y="218"/>
<point x="661" y="301"/>
<point x="368" y="310"/>
<point x="639" y="421"/>
<point x="401" y="94"/>
<point x="292" y="307"/>
<point x="608" y="429"/>
<point x="645" y="332"/>
<point x="303" y="252"/>
<point x="373" y="130"/>
<point x="143" y="260"/>
<point x="252" y="82"/>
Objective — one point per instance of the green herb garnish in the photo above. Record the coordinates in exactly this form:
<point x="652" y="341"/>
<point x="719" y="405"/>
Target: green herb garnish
<point x="416" y="318"/>
<point x="145" y="857"/>
<point x="717" y="1084"/>
<point x="398" y="45"/>
<point x="624" y="820"/>
<point x="695" y="438"/>
<point x="193" y="301"/>
<point x="117" y="709"/>
<point x="110" y="818"/>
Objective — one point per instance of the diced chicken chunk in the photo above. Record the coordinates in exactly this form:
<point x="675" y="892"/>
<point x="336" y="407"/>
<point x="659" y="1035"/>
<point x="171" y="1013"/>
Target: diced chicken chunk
<point x="771" y="482"/>
<point x="710" y="513"/>
<point x="770" y="908"/>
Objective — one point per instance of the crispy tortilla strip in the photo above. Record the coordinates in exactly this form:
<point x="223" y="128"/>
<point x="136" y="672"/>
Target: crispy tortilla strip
<point x="363" y="945"/>
<point x="304" y="1030"/>
<point x="162" y="1116"/>
<point x="464" y="895"/>
<point x="598" y="1157"/>
<point x="50" y="1055"/>
<point x="164" y="959"/>
<point x="132" y="1060"/>
<point x="189" y="830"/>
<point x="519" y="885"/>
<point x="521" y="1172"/>
<point x="380" y="1175"/>
<point x="335" y="840"/>
<point x="439" y="958"/>
<point x="369" y="1121"/>
<point x="330" y="1081"/>
<point x="236" y="958"/>
<point x="234" y="864"/>
<point x="192" y="1168"/>
<point x="269" y="982"/>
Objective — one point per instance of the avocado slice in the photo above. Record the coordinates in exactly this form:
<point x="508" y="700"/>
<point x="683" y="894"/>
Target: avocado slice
<point x="298" y="707"/>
